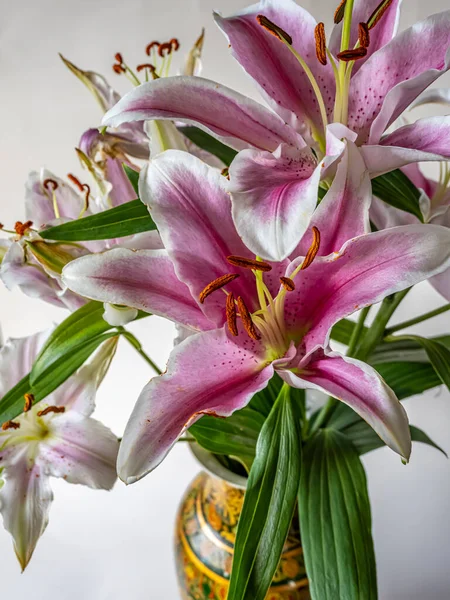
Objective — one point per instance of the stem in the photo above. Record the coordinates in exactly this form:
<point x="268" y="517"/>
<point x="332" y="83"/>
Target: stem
<point x="357" y="331"/>
<point x="323" y="416"/>
<point x="347" y="27"/>
<point x="424" y="317"/>
<point x="138" y="347"/>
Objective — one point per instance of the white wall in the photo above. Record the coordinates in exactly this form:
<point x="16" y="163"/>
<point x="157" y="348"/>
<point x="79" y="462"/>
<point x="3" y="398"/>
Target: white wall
<point x="109" y="546"/>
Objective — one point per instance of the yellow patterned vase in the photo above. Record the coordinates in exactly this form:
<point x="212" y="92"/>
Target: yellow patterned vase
<point x="205" y="534"/>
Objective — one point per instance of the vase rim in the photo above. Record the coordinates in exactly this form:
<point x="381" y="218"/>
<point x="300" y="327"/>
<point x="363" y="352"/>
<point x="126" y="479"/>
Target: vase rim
<point x="215" y="468"/>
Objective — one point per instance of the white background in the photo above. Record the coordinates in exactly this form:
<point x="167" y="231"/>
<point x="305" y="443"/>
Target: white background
<point x="118" y="545"/>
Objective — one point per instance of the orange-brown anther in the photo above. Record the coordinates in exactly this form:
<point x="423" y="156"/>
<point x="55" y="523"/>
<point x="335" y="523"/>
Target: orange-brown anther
<point x="10" y="425"/>
<point x="287" y="283"/>
<point x="313" y="249"/>
<point x="175" y="44"/>
<point x="349" y="55"/>
<point x="218" y="283"/>
<point x="274" y="29"/>
<point x="76" y="181"/>
<point x="20" y="228"/>
<point x="339" y="13"/>
<point x="118" y="69"/>
<point x="249" y="263"/>
<point x="149" y="48"/>
<point x="321" y="43"/>
<point x="29" y="399"/>
<point x="225" y="173"/>
<point x="231" y="315"/>
<point x="118" y="57"/>
<point x="363" y="35"/>
<point x="378" y="13"/>
<point x="165" y="49"/>
<point x="51" y="409"/>
<point x="246" y="318"/>
<point x="148" y="66"/>
<point x="50" y="184"/>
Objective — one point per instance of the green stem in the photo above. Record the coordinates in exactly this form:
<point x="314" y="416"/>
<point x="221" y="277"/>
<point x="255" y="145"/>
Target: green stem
<point x="138" y="347"/>
<point x="424" y="317"/>
<point x="325" y="413"/>
<point x="355" y="337"/>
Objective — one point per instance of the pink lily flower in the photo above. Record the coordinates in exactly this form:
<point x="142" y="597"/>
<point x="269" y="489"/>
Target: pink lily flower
<point x="274" y="178"/>
<point x="274" y="317"/>
<point x="435" y="207"/>
<point x="54" y="438"/>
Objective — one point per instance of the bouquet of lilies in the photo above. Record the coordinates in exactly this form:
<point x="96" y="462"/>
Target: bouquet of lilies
<point x="258" y="231"/>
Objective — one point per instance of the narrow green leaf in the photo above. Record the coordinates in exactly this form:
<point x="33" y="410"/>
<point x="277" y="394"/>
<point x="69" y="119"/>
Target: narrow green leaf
<point x="335" y="520"/>
<point x="439" y="356"/>
<point x="126" y="219"/>
<point x="133" y="177"/>
<point x="342" y="331"/>
<point x="264" y="400"/>
<point x="12" y="402"/>
<point x="269" y="502"/>
<point x="207" y="142"/>
<point x="405" y="350"/>
<point x="396" y="189"/>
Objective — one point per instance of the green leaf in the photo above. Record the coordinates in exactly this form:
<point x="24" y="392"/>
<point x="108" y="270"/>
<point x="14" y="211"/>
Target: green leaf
<point x="264" y="400"/>
<point x="12" y="402"/>
<point x="396" y="189"/>
<point x="439" y="356"/>
<point x="269" y="502"/>
<point x="133" y="177"/>
<point x="342" y="331"/>
<point x="209" y="143"/>
<point x="234" y="436"/>
<point x="335" y="520"/>
<point x="126" y="219"/>
<point x="404" y="350"/>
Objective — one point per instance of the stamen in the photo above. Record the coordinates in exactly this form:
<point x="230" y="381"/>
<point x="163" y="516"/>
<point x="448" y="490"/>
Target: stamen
<point x="355" y="54"/>
<point x="149" y="48"/>
<point x="218" y="283"/>
<point x="165" y="49"/>
<point x="118" y="57"/>
<point x="148" y="66"/>
<point x="20" y="228"/>
<point x="378" y="13"/>
<point x="231" y="315"/>
<point x="313" y="249"/>
<point x="247" y="319"/>
<point x="75" y="181"/>
<point x="248" y="263"/>
<point x="339" y="13"/>
<point x="364" y="35"/>
<point x="274" y="29"/>
<point x="321" y="43"/>
<point x="51" y="409"/>
<point x="29" y="399"/>
<point x="175" y="44"/>
<point x="225" y="173"/>
<point x="119" y="69"/>
<point x="50" y="183"/>
<point x="287" y="283"/>
<point x="10" y="425"/>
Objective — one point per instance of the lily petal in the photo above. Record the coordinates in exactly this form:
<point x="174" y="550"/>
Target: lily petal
<point x="366" y="270"/>
<point x="441" y="284"/>
<point x="40" y="205"/>
<point x="274" y="197"/>
<point x="361" y="387"/>
<point x="433" y="96"/>
<point x="17" y="357"/>
<point x="142" y="279"/>
<point x="280" y="77"/>
<point x="226" y="114"/>
<point x="206" y="374"/>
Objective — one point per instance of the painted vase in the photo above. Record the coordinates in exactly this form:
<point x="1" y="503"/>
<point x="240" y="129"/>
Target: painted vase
<point x="205" y="534"/>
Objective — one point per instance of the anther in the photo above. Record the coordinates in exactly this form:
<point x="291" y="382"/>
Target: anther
<point x="118" y="69"/>
<point x="148" y="66"/>
<point x="29" y="399"/>
<point x="378" y="13"/>
<point x="349" y="55"/>
<point x="313" y="249"/>
<point x="225" y="172"/>
<point x="321" y="43"/>
<point x="339" y="13"/>
<point x="86" y="196"/>
<point x="118" y="57"/>
<point x="165" y="49"/>
<point x="149" y="48"/>
<point x="249" y="263"/>
<point x="51" y="409"/>
<point x="287" y="283"/>
<point x="247" y="319"/>
<point x="218" y="283"/>
<point x="175" y="44"/>
<point x="20" y="228"/>
<point x="363" y="35"/>
<point x="274" y="29"/>
<point x="75" y="181"/>
<point x="50" y="184"/>
<point x="230" y="310"/>
<point x="10" y="425"/>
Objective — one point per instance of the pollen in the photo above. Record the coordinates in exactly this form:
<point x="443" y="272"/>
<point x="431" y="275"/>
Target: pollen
<point x="313" y="249"/>
<point x="249" y="263"/>
<point x="75" y="181"/>
<point x="165" y="49"/>
<point x="287" y="283"/>
<point x="355" y="54"/>
<point x="148" y="66"/>
<point x="29" y="399"/>
<point x="51" y="409"/>
<point x="118" y="57"/>
<point x="321" y="43"/>
<point x="20" y="228"/>
<point x="231" y="315"/>
<point x="218" y="283"/>
<point x="247" y="319"/>
<point x="50" y="184"/>
<point x="274" y="29"/>
<point x="339" y="13"/>
<point x="175" y="44"/>
<point x="149" y="48"/>
<point x="225" y="173"/>
<point x="10" y="425"/>
<point x="363" y="35"/>
<point x="377" y="14"/>
<point x="118" y="69"/>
